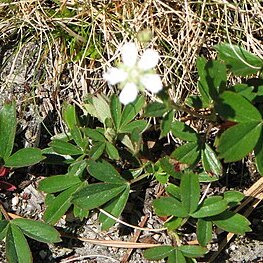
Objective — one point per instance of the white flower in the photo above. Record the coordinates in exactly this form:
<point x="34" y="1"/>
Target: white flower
<point x="135" y="73"/>
<point x="129" y="93"/>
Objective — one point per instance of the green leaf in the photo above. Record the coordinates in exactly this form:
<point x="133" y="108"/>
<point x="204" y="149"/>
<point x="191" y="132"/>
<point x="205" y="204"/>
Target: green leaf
<point x="212" y="79"/>
<point x="140" y="125"/>
<point x="95" y="195"/>
<point x="259" y="154"/>
<point x="210" y="161"/>
<point x="77" y="168"/>
<point x="80" y="213"/>
<point x="245" y="91"/>
<point x="237" y="141"/>
<point x="176" y="256"/>
<point x="202" y="85"/>
<point x="167" y="206"/>
<point x="97" y="150"/>
<point x="232" y="222"/>
<point x="78" y="138"/>
<point x="112" y="151"/>
<point x="169" y="168"/>
<point x="102" y="108"/>
<point x="59" y="205"/>
<point x="58" y="183"/>
<point x="206" y="178"/>
<point x="204" y="231"/>
<point x="131" y="110"/>
<point x="65" y="148"/>
<point x="184" y="132"/>
<point x="240" y="61"/>
<point x="69" y="115"/>
<point x="17" y="249"/>
<point x="233" y="197"/>
<point x="188" y="153"/>
<point x="7" y="129"/>
<point x="162" y="178"/>
<point x="104" y="171"/>
<point x="195" y="101"/>
<point x="234" y="107"/>
<point x="155" y="109"/>
<point x="166" y="123"/>
<point x="173" y="190"/>
<point x="115" y="108"/>
<point x="24" y="157"/>
<point x="192" y="251"/>
<point x="190" y="192"/>
<point x="94" y="135"/>
<point x="3" y="228"/>
<point x="174" y="223"/>
<point x="37" y="230"/>
<point x="210" y="208"/>
<point x="158" y="253"/>
<point x="115" y="208"/>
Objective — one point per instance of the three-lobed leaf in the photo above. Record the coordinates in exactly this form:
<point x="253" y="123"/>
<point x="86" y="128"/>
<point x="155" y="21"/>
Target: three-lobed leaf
<point x="167" y="206"/>
<point x="188" y="153"/>
<point x="184" y="132"/>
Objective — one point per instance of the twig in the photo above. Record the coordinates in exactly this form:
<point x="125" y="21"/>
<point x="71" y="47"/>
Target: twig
<point x="134" y="239"/>
<point x="5" y="214"/>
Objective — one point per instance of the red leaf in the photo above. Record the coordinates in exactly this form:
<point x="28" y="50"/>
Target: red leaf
<point x="6" y="186"/>
<point x="4" y="171"/>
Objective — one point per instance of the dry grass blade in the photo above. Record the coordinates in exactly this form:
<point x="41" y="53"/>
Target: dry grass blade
<point x="112" y="243"/>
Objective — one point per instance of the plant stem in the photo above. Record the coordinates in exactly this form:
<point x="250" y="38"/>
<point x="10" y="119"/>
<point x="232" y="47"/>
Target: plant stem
<point x="139" y="178"/>
<point x="179" y="107"/>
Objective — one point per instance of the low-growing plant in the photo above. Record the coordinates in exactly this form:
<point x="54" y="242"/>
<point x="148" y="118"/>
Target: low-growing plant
<point x="104" y="149"/>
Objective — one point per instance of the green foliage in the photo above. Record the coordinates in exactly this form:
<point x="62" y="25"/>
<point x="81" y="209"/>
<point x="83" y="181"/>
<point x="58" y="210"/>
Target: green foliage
<point x="17" y="248"/>
<point x="238" y="60"/>
<point x="103" y="149"/>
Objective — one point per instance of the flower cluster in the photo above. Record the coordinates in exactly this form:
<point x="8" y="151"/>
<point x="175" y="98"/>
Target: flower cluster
<point x="135" y="73"/>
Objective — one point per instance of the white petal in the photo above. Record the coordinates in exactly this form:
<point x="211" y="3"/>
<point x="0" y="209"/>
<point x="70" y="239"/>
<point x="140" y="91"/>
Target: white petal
<point x="129" y="93"/>
<point x="149" y="59"/>
<point x="152" y="82"/>
<point x="115" y="75"/>
<point x="129" y="54"/>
